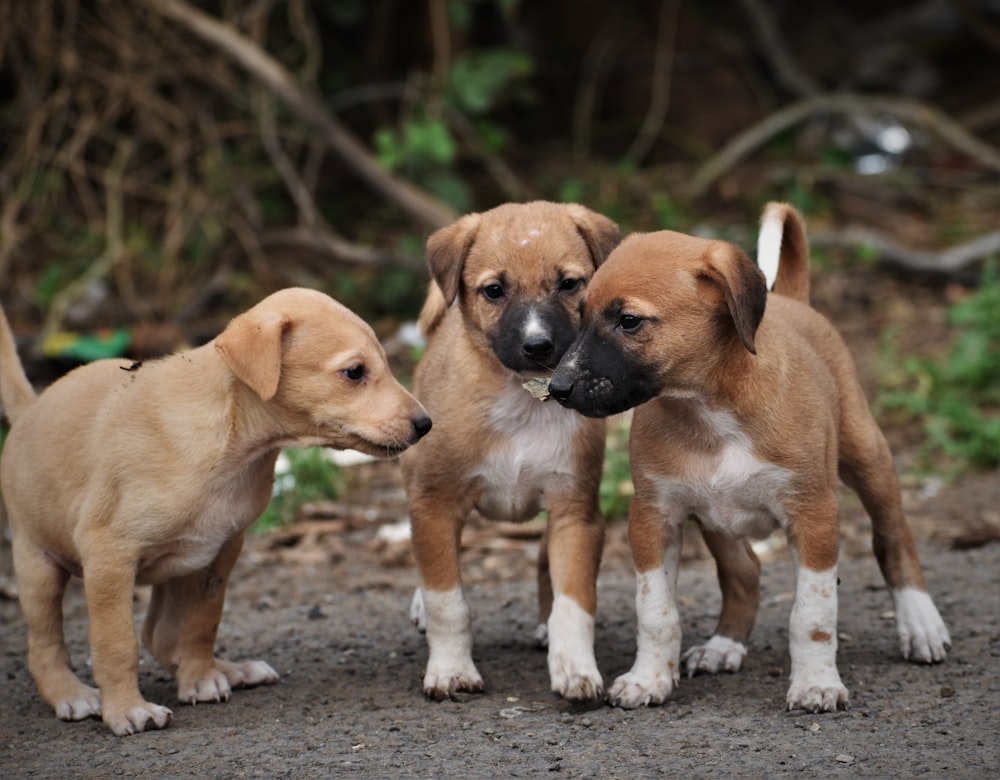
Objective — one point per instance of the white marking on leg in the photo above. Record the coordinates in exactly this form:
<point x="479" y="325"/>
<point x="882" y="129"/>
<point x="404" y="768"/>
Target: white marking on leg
<point x="572" y="666"/>
<point x="418" y="614"/>
<point x="923" y="636"/>
<point x="449" y="638"/>
<point x="718" y="654"/>
<point x="656" y="670"/>
<point x="815" y="682"/>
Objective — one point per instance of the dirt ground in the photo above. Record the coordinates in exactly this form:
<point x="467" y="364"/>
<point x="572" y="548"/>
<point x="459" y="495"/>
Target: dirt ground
<point x="325" y="603"/>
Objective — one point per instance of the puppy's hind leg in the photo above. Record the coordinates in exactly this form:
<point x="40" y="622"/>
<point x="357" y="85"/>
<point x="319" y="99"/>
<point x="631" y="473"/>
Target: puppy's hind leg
<point x="866" y="466"/>
<point x="739" y="580"/>
<point x="181" y="627"/>
<point x="41" y="583"/>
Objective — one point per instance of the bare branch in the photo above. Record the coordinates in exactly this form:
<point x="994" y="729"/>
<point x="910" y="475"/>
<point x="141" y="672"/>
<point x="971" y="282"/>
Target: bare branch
<point x="847" y="104"/>
<point x="278" y="80"/>
<point x="892" y="253"/>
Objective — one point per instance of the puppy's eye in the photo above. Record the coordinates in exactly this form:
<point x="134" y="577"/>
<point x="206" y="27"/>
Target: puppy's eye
<point x="355" y="373"/>
<point x="570" y="285"/>
<point x="493" y="292"/>
<point x="629" y="323"/>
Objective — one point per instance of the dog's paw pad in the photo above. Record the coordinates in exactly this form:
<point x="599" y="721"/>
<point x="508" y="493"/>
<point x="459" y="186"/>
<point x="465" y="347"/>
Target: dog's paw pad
<point x="633" y="690"/>
<point x="134" y="720"/>
<point x="442" y="686"/>
<point x="719" y="654"/>
<point x="817" y="698"/>
<point x="86" y="703"/>
<point x="248" y="674"/>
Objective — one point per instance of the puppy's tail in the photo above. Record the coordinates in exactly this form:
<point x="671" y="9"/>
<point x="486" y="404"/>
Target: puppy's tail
<point x="783" y="251"/>
<point x="16" y="392"/>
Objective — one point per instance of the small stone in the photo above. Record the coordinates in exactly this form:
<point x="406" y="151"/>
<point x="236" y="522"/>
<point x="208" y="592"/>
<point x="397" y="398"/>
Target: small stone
<point x="843" y="758"/>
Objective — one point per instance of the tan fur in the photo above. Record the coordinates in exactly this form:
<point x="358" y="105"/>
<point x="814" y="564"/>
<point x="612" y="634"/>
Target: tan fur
<point x="462" y="382"/>
<point x="149" y="474"/>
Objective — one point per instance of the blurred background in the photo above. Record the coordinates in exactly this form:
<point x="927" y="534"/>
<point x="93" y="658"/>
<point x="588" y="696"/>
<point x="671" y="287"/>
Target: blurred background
<point x="164" y="164"/>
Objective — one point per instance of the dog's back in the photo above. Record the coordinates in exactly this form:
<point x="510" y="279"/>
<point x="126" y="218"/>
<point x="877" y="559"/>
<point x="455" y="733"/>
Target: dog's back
<point x="783" y="251"/>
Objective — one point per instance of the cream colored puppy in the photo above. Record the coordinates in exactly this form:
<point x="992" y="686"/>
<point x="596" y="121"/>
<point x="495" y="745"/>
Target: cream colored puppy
<point x="149" y="473"/>
<point x="748" y="409"/>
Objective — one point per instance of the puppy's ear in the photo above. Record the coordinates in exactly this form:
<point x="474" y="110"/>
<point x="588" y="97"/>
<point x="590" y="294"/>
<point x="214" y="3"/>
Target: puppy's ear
<point x="600" y="233"/>
<point x="742" y="285"/>
<point x="251" y="345"/>
<point x="447" y="249"/>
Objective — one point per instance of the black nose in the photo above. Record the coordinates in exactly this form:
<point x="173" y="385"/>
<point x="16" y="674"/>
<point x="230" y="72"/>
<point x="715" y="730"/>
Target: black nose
<point x="538" y="347"/>
<point x="421" y="425"/>
<point x="560" y="388"/>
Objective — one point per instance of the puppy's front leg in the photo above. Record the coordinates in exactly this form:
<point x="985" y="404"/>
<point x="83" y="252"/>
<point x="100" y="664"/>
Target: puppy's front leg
<point x="656" y="548"/>
<point x="109" y="576"/>
<point x="181" y="627"/>
<point x="815" y="684"/>
<point x="574" y="540"/>
<point x="436" y="528"/>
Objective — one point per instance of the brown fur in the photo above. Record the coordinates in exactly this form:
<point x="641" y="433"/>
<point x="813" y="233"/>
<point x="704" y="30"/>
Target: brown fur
<point x="151" y="475"/>
<point x="464" y="386"/>
<point x="677" y="327"/>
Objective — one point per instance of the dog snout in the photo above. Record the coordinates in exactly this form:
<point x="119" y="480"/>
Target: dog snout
<point x="421" y="426"/>
<point x="560" y="387"/>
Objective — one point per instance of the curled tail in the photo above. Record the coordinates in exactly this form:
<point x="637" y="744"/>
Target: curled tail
<point x="16" y="392"/>
<point x="783" y="251"/>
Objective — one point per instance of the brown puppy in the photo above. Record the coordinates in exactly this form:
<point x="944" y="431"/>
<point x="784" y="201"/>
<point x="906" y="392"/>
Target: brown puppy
<point x="744" y="419"/>
<point x="149" y="474"/>
<point x="503" y="307"/>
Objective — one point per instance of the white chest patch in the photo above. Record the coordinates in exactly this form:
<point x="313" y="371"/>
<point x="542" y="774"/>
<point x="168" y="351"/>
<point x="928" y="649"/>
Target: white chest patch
<point x="727" y="488"/>
<point x="534" y="448"/>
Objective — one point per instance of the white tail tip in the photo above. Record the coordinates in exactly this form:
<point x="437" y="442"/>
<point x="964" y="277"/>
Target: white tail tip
<point x="772" y="226"/>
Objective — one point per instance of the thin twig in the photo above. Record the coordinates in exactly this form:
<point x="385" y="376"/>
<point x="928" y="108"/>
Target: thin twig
<point x="848" y="104"/>
<point x="659" y="99"/>
<point x="892" y="253"/>
<point x="419" y="205"/>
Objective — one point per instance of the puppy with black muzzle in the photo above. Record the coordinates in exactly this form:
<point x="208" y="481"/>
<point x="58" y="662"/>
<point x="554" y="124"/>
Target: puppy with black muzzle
<point x="503" y="307"/>
<point x="748" y="408"/>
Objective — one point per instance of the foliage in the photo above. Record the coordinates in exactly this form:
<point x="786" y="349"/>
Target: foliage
<point x="302" y="476"/>
<point x="616" y="483"/>
<point x="957" y="397"/>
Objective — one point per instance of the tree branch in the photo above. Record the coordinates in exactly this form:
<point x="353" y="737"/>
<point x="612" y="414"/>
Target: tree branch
<point x="422" y="207"/>
<point x="848" y="104"/>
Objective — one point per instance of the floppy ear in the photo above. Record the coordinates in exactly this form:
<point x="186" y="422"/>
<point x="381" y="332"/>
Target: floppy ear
<point x="251" y="347"/>
<point x="742" y="285"/>
<point x="447" y="249"/>
<point x="600" y="233"/>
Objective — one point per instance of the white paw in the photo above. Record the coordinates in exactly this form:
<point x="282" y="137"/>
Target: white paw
<point x="572" y="666"/>
<point x="144" y="717"/>
<point x="444" y="683"/>
<point x="636" y="689"/>
<point x="575" y="677"/>
<point x="718" y="654"/>
<point x="247" y="674"/>
<point x="212" y="687"/>
<point x="542" y="635"/>
<point x="85" y="704"/>
<point x="923" y="637"/>
<point x="822" y="692"/>
<point x="418" y="613"/>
